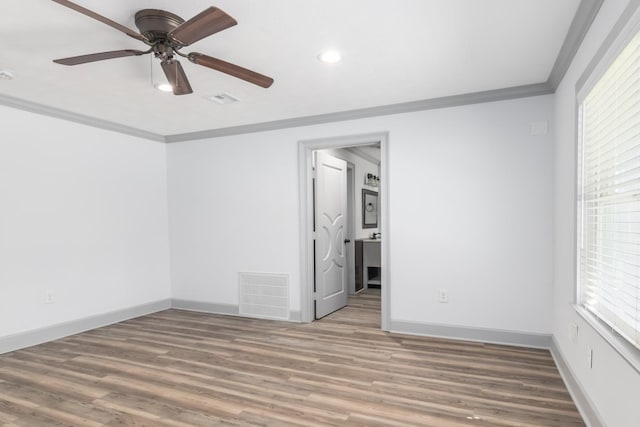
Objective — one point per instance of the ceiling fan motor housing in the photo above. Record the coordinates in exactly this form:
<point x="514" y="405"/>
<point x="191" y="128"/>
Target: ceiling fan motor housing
<point x="155" y="24"/>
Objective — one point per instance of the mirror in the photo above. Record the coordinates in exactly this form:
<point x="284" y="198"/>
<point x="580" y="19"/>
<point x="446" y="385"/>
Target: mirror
<point x="369" y="209"/>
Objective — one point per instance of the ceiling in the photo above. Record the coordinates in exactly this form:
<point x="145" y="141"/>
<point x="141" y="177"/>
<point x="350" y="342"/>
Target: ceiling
<point x="394" y="52"/>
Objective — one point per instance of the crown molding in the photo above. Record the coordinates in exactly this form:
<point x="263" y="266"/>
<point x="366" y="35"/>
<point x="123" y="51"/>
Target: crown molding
<point x="58" y="113"/>
<point x="362" y="113"/>
<point x="586" y="13"/>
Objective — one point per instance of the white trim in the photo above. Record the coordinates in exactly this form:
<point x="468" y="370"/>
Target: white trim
<point x="57" y="113"/>
<point x="387" y="238"/>
<point x="383" y="110"/>
<point x="61" y="330"/>
<point x="50" y="333"/>
<point x="465" y="333"/>
<point x="205" y="307"/>
<point x="586" y="13"/>
<point x="223" y="309"/>
<point x="305" y="150"/>
<point x="295" y="316"/>
<point x="305" y="171"/>
<point x="585" y="406"/>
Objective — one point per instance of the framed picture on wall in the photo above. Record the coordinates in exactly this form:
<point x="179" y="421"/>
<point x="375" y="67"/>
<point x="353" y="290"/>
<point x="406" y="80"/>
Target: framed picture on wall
<point x="369" y="208"/>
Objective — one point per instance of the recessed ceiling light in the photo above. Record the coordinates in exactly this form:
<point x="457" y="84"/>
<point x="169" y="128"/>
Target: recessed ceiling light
<point x="163" y="87"/>
<point x="6" y="75"/>
<point x="330" y="56"/>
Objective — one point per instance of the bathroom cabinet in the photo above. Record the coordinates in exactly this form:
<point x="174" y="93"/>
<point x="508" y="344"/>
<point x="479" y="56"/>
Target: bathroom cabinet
<point x="367" y="263"/>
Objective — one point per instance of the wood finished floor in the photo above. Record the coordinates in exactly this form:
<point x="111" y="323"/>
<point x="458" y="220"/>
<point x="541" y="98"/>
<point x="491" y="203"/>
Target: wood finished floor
<point x="179" y="368"/>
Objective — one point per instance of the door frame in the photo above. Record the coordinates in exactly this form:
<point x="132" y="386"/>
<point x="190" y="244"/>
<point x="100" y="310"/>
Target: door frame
<point x="351" y="227"/>
<point x="305" y="153"/>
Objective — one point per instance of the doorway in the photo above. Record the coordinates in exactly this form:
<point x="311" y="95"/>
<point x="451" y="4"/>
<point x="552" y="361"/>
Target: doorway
<point x="307" y="209"/>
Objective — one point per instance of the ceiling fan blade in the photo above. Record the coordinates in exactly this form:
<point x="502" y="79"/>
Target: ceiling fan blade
<point x="176" y="77"/>
<point x="102" y="19"/>
<point x="83" y="59"/>
<point x="207" y="22"/>
<point x="231" y="69"/>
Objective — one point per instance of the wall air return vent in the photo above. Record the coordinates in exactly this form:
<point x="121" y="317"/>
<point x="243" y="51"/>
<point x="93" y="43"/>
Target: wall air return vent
<point x="264" y="295"/>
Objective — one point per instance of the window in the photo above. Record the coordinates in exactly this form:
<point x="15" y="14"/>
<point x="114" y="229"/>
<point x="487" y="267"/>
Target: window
<point x="609" y="195"/>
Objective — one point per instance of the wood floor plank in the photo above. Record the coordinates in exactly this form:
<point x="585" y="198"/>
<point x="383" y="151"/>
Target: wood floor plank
<point x="180" y="368"/>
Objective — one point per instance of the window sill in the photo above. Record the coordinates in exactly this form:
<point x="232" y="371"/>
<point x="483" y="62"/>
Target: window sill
<point x="625" y="349"/>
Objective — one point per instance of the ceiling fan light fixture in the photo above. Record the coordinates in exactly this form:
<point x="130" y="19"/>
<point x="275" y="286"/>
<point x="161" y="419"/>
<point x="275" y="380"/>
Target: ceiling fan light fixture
<point x="158" y="79"/>
<point x="330" y="57"/>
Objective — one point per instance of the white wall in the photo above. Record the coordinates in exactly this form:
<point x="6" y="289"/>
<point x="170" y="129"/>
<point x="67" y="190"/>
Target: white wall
<point x="470" y="193"/>
<point x="612" y="385"/>
<point x="83" y="213"/>
<point x="471" y="213"/>
<point x="233" y="207"/>
<point x="361" y="167"/>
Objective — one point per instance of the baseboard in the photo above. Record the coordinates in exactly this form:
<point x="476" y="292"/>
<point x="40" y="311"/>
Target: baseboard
<point x="295" y="316"/>
<point x="216" y="308"/>
<point x="586" y="408"/>
<point x="61" y="330"/>
<point x="205" y="307"/>
<point x="491" y="336"/>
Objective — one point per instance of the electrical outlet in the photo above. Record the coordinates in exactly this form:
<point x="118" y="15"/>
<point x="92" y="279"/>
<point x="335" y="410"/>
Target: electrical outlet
<point x="573" y="332"/>
<point x="444" y="295"/>
<point x="49" y="297"/>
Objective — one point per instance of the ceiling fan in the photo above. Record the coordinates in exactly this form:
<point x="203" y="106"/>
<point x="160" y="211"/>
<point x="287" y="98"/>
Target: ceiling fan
<point x="166" y="33"/>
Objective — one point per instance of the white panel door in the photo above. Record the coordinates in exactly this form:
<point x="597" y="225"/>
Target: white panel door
<point x="331" y="217"/>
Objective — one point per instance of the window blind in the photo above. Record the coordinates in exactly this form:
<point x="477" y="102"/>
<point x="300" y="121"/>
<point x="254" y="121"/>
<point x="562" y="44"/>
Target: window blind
<point x="609" y="132"/>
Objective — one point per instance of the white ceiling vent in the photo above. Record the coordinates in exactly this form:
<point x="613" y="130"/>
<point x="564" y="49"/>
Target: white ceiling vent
<point x="6" y="75"/>
<point x="223" y="98"/>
